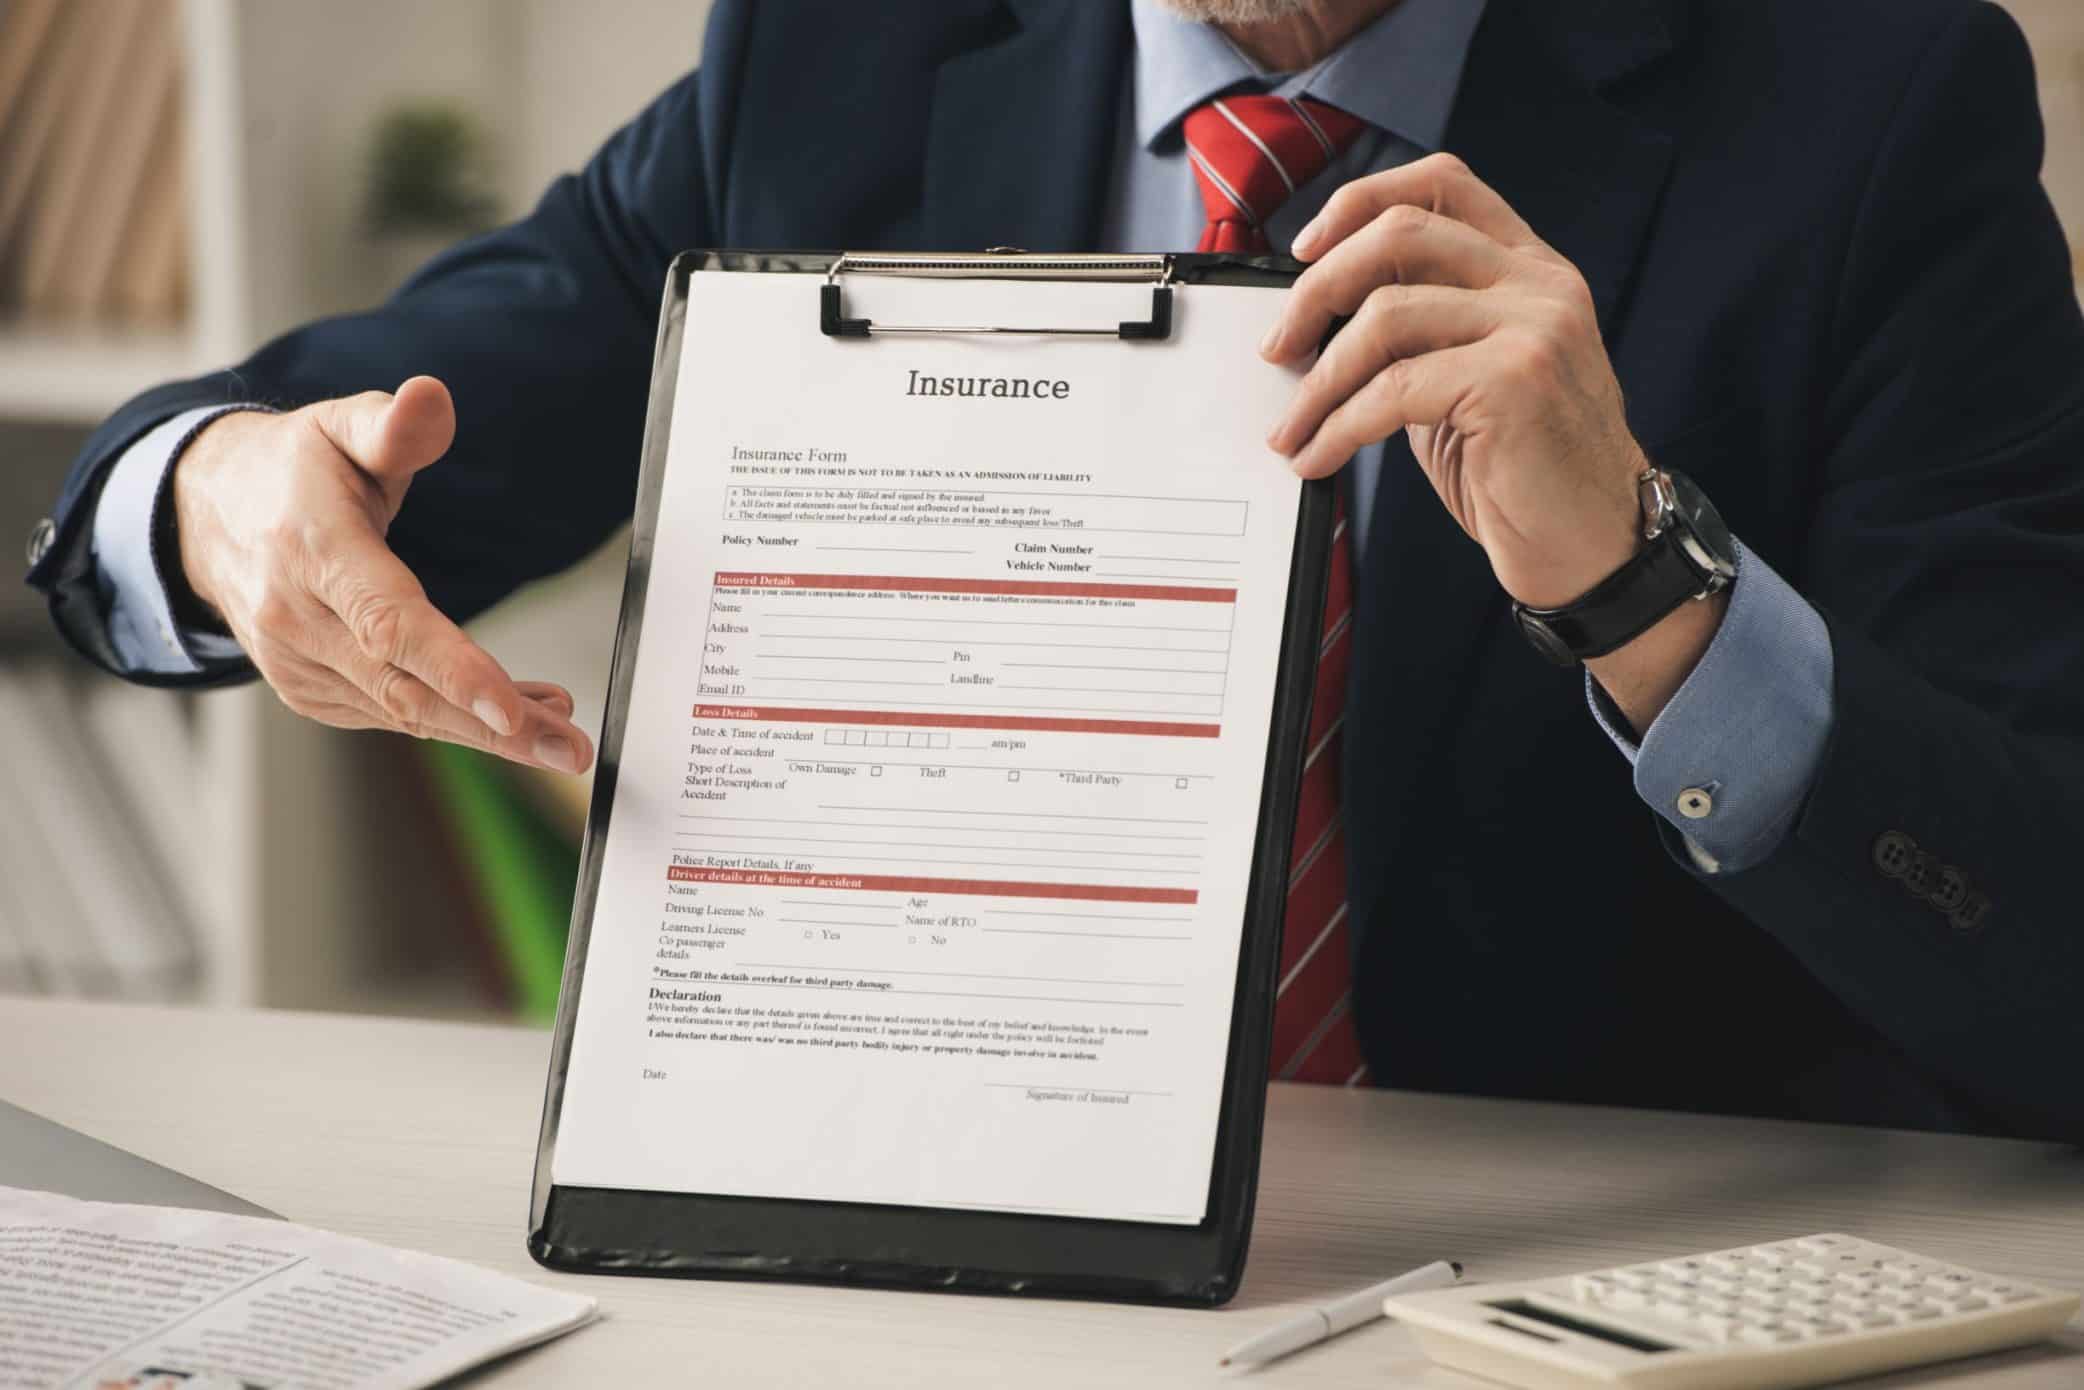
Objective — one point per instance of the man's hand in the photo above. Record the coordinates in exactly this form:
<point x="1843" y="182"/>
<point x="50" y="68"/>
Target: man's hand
<point x="282" y="521"/>
<point x="1482" y="343"/>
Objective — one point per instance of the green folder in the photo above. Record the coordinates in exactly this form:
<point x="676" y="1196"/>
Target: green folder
<point x="524" y="868"/>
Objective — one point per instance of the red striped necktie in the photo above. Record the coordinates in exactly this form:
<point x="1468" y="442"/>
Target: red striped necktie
<point x="1249" y="154"/>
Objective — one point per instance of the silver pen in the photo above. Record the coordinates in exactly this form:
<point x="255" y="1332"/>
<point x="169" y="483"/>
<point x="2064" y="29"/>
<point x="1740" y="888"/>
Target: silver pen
<point x="1340" y="1315"/>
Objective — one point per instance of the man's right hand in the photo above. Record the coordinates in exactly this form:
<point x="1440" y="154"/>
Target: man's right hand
<point x="281" y="521"/>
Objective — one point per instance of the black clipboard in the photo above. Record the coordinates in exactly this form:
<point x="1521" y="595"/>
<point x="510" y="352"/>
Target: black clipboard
<point x="620" y="1231"/>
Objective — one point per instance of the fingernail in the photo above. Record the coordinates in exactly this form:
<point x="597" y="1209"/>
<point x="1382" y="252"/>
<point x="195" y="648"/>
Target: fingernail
<point x="553" y="751"/>
<point x="1306" y="239"/>
<point x="1278" y="440"/>
<point x="493" y="716"/>
<point x="1271" y="341"/>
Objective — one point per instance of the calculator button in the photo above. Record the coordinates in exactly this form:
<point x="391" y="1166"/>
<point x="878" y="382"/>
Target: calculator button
<point x="1719" y="1328"/>
<point x="1873" y="1317"/>
<point x="1734" y="1263"/>
<point x="1770" y="1257"/>
<point x="1966" y="1303"/>
<point x="1824" y="1245"/>
<point x="1593" y="1286"/>
<point x="1632" y="1279"/>
<point x="1682" y="1269"/>
<point x="1918" y="1312"/>
<point x="1768" y="1334"/>
<point x="1628" y="1299"/>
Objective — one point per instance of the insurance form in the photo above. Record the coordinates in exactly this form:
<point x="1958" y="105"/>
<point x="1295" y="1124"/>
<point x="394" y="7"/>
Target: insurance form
<point x="934" y="809"/>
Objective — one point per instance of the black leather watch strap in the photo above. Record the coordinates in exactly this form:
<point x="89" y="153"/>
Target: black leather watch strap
<point x="1617" y="610"/>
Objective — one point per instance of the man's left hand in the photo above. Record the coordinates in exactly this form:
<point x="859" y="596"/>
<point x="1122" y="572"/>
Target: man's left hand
<point x="1482" y="343"/>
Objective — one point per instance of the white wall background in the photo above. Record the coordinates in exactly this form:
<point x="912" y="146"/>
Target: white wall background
<point x="548" y="79"/>
<point x="2056" y="30"/>
<point x="579" y="69"/>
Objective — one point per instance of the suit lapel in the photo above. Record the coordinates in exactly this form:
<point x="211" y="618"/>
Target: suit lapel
<point x="1023" y="131"/>
<point x="1531" y="122"/>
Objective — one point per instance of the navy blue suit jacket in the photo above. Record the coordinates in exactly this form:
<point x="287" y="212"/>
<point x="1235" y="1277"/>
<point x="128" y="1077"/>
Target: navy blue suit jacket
<point x="1834" y="293"/>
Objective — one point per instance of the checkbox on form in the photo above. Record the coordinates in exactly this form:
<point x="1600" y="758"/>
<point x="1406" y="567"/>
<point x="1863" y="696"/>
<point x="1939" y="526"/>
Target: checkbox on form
<point x="1180" y="782"/>
<point x="1014" y="775"/>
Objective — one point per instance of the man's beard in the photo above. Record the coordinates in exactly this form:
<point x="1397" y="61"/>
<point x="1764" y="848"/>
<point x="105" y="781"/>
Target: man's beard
<point x="1236" y="11"/>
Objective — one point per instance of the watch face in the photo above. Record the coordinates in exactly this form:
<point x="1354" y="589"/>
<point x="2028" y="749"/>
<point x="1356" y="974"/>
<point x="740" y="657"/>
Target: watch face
<point x="1712" y="547"/>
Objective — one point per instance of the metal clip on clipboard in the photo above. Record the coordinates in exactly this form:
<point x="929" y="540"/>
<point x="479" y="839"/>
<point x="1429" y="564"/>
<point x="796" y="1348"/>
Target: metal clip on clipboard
<point x="1002" y="264"/>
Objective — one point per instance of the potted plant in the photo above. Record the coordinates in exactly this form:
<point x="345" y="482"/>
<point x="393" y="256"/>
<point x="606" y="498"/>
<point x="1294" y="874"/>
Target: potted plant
<point x="428" y="187"/>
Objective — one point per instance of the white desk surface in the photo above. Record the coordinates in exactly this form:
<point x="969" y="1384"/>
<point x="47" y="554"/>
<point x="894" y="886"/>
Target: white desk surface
<point x="422" y="1135"/>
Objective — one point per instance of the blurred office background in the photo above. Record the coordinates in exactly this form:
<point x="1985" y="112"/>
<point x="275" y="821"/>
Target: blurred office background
<point x="179" y="180"/>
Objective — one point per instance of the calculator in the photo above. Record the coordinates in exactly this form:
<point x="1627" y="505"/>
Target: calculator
<point x="1795" y="1312"/>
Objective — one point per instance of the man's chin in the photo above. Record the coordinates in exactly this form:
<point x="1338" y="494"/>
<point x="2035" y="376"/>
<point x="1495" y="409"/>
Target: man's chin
<point x="1235" y="11"/>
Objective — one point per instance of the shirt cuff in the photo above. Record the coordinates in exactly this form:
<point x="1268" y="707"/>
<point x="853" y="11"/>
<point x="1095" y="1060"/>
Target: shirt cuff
<point x="140" y="616"/>
<point x="1732" y="757"/>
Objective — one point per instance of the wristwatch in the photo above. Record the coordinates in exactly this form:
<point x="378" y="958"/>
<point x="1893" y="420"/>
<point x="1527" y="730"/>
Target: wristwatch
<point x="1687" y="553"/>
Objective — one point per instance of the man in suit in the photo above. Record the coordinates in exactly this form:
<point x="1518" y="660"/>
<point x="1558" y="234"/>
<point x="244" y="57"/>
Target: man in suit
<point x="1811" y="849"/>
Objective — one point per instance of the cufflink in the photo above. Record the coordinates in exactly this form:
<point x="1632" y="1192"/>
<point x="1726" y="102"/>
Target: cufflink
<point x="40" y="538"/>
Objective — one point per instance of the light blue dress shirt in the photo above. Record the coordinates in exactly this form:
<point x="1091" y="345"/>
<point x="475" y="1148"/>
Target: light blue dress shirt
<point x="1730" y="759"/>
<point x="141" y="620"/>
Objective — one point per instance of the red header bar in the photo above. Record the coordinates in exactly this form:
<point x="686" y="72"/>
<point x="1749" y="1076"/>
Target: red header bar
<point x="894" y="883"/>
<point x="1033" y="723"/>
<point x="1039" y="587"/>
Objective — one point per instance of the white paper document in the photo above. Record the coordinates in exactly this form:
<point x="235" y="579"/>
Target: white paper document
<point x="99" y="1294"/>
<point x="926" y="868"/>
